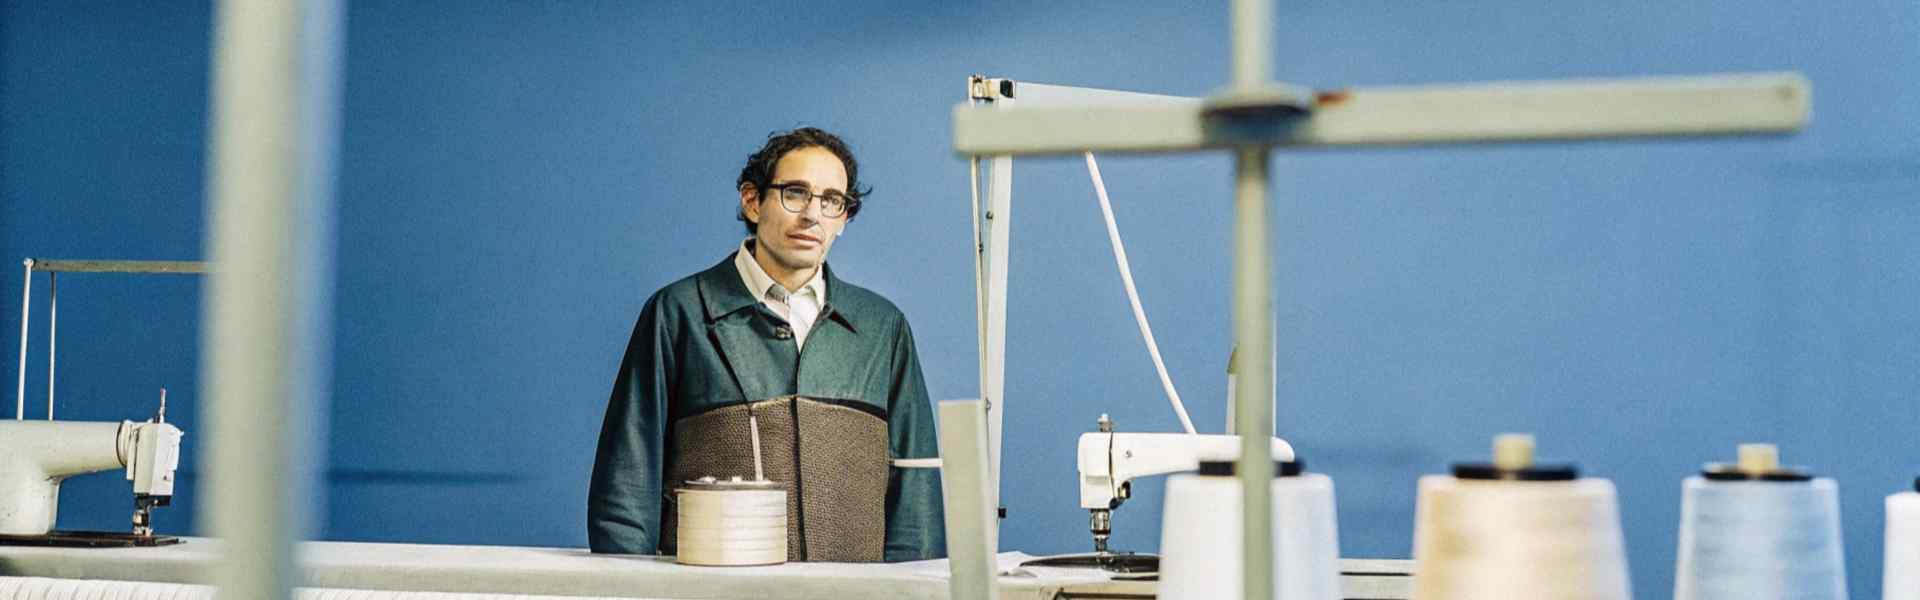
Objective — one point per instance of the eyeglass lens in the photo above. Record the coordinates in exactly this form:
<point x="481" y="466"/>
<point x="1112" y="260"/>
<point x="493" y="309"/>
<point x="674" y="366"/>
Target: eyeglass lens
<point x="795" y="197"/>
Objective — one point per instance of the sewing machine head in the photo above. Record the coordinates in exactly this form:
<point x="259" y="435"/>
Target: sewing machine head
<point x="35" y="456"/>
<point x="1109" y="462"/>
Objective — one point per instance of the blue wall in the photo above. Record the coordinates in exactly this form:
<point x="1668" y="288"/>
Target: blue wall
<point x="516" y="179"/>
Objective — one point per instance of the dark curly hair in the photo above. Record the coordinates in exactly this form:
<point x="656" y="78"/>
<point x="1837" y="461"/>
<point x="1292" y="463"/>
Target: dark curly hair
<point x="759" y="169"/>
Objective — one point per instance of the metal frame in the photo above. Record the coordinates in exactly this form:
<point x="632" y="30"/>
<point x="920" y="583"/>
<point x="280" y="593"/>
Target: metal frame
<point x="53" y="268"/>
<point x="1394" y="116"/>
<point x="1254" y="116"/>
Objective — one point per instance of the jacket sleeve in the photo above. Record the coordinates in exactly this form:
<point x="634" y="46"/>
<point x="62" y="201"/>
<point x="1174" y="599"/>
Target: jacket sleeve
<point x="623" y="501"/>
<point x="916" y="526"/>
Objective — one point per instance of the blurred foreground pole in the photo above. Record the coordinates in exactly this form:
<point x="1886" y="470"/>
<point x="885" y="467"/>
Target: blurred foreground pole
<point x="266" y="313"/>
<point x="1253" y="401"/>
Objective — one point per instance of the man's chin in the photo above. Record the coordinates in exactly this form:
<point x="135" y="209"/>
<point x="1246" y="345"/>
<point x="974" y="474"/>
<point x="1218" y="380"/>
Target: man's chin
<point x="799" y="261"/>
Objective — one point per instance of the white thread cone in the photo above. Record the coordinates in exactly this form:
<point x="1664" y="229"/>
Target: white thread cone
<point x="1200" y="543"/>
<point x="1760" y="540"/>
<point x="731" y="527"/>
<point x="1901" y="578"/>
<point x="1534" y="540"/>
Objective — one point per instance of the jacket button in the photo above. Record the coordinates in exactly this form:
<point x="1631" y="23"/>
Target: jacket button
<point x="782" y="332"/>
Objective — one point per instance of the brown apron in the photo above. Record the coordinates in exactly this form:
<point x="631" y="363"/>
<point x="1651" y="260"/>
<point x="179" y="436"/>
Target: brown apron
<point x="832" y="458"/>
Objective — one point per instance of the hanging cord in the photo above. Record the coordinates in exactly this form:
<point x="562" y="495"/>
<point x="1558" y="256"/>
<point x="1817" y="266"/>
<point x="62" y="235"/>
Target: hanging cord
<point x="1133" y="296"/>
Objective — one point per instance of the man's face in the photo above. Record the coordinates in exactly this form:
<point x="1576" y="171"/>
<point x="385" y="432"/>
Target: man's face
<point x="797" y="241"/>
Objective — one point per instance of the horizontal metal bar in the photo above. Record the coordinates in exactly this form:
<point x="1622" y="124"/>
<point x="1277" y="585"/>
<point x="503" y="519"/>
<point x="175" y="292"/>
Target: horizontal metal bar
<point x="1030" y="94"/>
<point x="172" y="267"/>
<point x="1442" y="114"/>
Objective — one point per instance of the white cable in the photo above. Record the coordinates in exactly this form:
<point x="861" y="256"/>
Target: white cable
<point x="1133" y="296"/>
<point x="26" y="303"/>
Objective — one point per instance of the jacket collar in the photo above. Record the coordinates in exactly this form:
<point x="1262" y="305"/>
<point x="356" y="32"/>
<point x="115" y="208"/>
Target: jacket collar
<point x="722" y="293"/>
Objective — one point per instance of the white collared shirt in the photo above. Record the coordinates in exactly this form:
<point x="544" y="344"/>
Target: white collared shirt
<point x="801" y="309"/>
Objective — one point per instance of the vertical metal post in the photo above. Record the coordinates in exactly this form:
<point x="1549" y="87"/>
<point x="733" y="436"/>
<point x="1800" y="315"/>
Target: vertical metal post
<point x="973" y="537"/>
<point x="999" y="240"/>
<point x="1252" y="46"/>
<point x="1253" y="409"/>
<point x="53" y="332"/>
<point x="1253" y="309"/>
<point x="274" y="94"/>
<point x="26" y="304"/>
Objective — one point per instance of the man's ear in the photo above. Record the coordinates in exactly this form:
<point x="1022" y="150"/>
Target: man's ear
<point x="750" y="202"/>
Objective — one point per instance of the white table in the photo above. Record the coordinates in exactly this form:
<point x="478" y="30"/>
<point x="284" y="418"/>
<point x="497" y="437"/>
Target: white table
<point x="575" y="572"/>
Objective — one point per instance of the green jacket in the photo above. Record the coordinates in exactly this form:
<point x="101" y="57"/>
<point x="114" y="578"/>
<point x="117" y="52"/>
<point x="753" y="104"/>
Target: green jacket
<point x="704" y="342"/>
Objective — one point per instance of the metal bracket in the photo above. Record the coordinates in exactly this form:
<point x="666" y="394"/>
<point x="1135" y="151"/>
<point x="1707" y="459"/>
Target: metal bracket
<point x="981" y="87"/>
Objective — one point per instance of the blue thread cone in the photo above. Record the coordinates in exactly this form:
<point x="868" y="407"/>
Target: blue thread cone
<point x="1755" y="539"/>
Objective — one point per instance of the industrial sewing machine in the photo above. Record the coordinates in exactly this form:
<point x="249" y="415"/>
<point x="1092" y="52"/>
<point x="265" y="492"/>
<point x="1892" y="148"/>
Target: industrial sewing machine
<point x="35" y="456"/>
<point x="1109" y="461"/>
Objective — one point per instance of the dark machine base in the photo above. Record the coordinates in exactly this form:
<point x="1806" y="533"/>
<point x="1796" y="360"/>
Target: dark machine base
<point x="88" y="539"/>
<point x="1128" y="565"/>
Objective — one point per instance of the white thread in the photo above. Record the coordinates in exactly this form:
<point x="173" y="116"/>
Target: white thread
<point x="731" y="527"/>
<point x="1500" y="540"/>
<point x="1200" y="538"/>
<point x="1901" y="578"/>
<point x="1133" y="296"/>
<point x="1759" y="539"/>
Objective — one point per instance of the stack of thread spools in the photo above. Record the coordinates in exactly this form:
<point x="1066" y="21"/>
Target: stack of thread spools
<point x="1901" y="580"/>
<point x="1201" y="535"/>
<point x="1755" y="530"/>
<point x="732" y="522"/>
<point x="1515" y="529"/>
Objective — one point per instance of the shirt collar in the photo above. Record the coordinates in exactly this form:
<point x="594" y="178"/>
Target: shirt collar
<point x="723" y="291"/>
<point x="758" y="281"/>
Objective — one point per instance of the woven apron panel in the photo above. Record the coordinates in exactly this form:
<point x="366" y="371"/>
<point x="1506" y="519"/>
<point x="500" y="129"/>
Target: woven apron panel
<point x="836" y="482"/>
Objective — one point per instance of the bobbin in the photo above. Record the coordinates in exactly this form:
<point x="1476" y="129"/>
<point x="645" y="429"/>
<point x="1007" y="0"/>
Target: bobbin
<point x="731" y="522"/>
<point x="1755" y="530"/>
<point x="1202" y="534"/>
<point x="1512" y="528"/>
<point x="1900" y="559"/>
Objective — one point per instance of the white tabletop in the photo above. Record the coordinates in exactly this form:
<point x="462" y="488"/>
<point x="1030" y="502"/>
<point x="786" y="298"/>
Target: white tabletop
<point x="576" y="572"/>
<point x="523" y="570"/>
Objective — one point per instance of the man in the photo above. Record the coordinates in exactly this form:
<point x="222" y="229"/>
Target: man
<point x="771" y="341"/>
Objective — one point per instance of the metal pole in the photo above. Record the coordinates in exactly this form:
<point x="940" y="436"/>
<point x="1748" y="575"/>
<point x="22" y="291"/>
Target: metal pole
<point x="999" y="219"/>
<point x="53" y="334"/>
<point x="1252" y="47"/>
<point x="274" y="95"/>
<point x="1253" y="408"/>
<point x="1253" y="309"/>
<point x="26" y="304"/>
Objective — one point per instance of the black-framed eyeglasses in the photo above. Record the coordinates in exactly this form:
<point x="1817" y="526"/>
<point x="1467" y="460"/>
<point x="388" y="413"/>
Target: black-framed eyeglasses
<point x="795" y="196"/>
